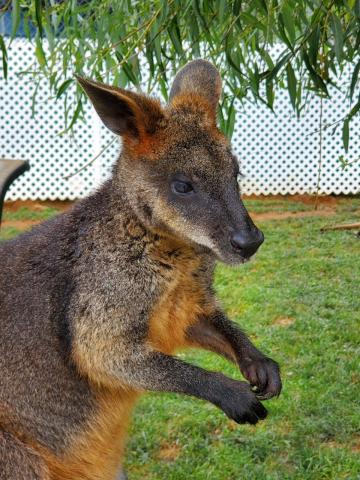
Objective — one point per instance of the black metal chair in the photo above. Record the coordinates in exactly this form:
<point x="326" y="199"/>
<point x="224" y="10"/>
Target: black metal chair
<point x="9" y="171"/>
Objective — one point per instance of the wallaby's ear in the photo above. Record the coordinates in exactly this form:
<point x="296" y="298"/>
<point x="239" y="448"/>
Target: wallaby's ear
<point x="199" y="77"/>
<point x="123" y="112"/>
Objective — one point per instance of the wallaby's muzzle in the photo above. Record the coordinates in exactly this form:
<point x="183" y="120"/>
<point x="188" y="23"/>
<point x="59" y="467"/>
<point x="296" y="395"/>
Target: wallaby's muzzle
<point x="242" y="237"/>
<point x="246" y="243"/>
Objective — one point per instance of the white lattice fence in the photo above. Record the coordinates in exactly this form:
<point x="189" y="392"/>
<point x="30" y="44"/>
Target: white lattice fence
<point x="278" y="153"/>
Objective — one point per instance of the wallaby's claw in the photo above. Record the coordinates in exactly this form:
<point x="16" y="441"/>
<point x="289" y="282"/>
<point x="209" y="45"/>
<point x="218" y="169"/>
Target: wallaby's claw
<point x="239" y="403"/>
<point x="264" y="376"/>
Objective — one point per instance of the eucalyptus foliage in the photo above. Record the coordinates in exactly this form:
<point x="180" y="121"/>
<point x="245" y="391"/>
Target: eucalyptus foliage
<point x="103" y="39"/>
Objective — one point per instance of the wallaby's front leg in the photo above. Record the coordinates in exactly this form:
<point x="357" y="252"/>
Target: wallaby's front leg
<point x="147" y="369"/>
<point x="219" y="334"/>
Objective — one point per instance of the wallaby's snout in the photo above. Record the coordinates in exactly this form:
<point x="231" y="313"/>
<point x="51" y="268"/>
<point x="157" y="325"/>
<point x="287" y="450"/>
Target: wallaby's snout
<point x="239" y="238"/>
<point x="245" y="238"/>
<point x="247" y="243"/>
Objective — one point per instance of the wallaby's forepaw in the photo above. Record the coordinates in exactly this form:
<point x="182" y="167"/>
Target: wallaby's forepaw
<point x="239" y="403"/>
<point x="264" y="376"/>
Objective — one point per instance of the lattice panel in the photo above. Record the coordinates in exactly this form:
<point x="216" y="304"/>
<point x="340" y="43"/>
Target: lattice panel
<point x="279" y="154"/>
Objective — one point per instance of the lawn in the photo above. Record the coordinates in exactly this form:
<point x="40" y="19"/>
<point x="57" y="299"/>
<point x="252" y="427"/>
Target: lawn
<point x="300" y="302"/>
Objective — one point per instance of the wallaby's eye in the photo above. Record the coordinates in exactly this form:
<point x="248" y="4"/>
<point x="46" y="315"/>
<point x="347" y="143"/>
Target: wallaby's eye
<point x="182" y="187"/>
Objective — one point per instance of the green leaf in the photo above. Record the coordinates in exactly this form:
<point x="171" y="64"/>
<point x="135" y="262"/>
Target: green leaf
<point x="264" y="6"/>
<point x="298" y="99"/>
<point x="235" y="65"/>
<point x="282" y="33"/>
<point x="157" y="47"/>
<point x="221" y="118"/>
<point x="149" y="55"/>
<point x="33" y="99"/>
<point x="39" y="52"/>
<point x="164" y="13"/>
<point x="164" y="87"/>
<point x="279" y="65"/>
<point x="253" y="21"/>
<point x="355" y="109"/>
<point x="63" y="87"/>
<point x="314" y="40"/>
<point x="236" y="7"/>
<point x="270" y="94"/>
<point x="357" y="8"/>
<point x="122" y="79"/>
<point x="291" y="83"/>
<point x="194" y="33"/>
<point x="338" y="35"/>
<point x="4" y="57"/>
<point x="342" y="160"/>
<point x="287" y="15"/>
<point x="354" y="78"/>
<point x="221" y="11"/>
<point x="26" y="27"/>
<point x="38" y="16"/>
<point x="126" y="67"/>
<point x="48" y="28"/>
<point x="229" y="125"/>
<point x="254" y="77"/>
<point x="15" y="17"/>
<point x="345" y="134"/>
<point x="265" y="55"/>
<point x="76" y="114"/>
<point x="50" y="37"/>
<point x="318" y="81"/>
<point x="174" y="34"/>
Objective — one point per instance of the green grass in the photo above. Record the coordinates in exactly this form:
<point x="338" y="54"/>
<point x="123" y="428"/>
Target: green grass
<point x="23" y="214"/>
<point x="9" y="232"/>
<point x="26" y="213"/>
<point x="300" y="302"/>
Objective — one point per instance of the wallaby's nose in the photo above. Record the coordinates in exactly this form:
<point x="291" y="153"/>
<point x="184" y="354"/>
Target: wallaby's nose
<point x="247" y="243"/>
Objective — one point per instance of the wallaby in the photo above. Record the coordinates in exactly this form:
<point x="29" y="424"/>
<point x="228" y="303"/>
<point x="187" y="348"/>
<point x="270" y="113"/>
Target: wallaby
<point x="94" y="303"/>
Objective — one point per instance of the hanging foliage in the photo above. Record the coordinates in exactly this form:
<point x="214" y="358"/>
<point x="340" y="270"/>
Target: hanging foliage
<point x="104" y="40"/>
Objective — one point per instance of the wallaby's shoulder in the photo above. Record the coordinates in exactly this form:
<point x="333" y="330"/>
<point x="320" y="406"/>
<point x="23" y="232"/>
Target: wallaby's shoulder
<point x="55" y="238"/>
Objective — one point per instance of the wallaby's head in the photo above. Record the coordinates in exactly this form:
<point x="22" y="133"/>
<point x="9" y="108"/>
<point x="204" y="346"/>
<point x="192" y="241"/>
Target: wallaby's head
<point x="176" y="168"/>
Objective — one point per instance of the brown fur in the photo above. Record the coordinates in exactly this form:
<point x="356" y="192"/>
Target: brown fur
<point x="96" y="453"/>
<point x="180" y="305"/>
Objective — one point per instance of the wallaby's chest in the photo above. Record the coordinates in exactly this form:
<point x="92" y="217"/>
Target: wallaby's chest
<point x="183" y="298"/>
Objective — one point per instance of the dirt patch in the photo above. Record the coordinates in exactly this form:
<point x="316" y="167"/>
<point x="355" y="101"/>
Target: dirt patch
<point x="20" y="224"/>
<point x="231" y="425"/>
<point x="26" y="224"/>
<point x="329" y="201"/>
<point x="325" y="212"/>
<point x="13" y="206"/>
<point x="333" y="444"/>
<point x="284" y="321"/>
<point x="284" y="427"/>
<point x="353" y="445"/>
<point x="169" y="452"/>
